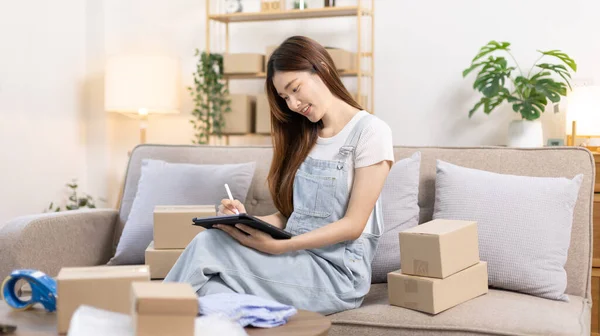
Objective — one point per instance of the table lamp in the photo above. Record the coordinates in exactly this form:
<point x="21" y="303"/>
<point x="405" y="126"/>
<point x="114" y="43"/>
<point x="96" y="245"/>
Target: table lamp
<point x="583" y="116"/>
<point x="138" y="85"/>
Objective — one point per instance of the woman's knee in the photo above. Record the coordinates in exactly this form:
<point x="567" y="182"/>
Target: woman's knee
<point x="209" y="235"/>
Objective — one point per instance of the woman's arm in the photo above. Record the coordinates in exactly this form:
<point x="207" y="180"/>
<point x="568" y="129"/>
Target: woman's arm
<point x="276" y="219"/>
<point x="368" y="183"/>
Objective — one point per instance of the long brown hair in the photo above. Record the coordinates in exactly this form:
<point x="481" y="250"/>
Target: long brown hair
<point x="293" y="134"/>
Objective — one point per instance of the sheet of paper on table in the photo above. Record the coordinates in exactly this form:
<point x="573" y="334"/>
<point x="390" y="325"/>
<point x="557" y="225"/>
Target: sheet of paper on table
<point x="90" y="321"/>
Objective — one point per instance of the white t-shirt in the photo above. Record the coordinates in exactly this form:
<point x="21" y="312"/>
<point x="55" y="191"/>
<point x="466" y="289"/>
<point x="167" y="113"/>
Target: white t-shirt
<point x="374" y="145"/>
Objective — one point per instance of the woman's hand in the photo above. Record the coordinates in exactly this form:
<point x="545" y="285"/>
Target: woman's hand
<point x="227" y="207"/>
<point x="253" y="238"/>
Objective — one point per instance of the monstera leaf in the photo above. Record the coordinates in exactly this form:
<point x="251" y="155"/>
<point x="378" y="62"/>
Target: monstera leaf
<point x="559" y="69"/>
<point x="492" y="77"/>
<point x="490" y="103"/>
<point x="490" y="48"/>
<point x="531" y="107"/>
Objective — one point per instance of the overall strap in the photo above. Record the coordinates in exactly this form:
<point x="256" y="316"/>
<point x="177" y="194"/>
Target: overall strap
<point x="352" y="140"/>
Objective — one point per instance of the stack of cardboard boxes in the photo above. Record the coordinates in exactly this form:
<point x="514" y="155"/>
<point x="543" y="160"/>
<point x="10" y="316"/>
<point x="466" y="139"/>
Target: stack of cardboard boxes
<point x="440" y="267"/>
<point x="173" y="231"/>
<point x="156" y="308"/>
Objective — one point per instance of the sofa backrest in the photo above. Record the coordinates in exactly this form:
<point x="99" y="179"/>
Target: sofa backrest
<point x="548" y="162"/>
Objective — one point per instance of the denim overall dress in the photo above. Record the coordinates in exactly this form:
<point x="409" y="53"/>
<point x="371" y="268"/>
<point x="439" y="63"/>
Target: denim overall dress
<point x="326" y="280"/>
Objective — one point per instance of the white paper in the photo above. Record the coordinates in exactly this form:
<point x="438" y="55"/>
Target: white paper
<point x="90" y="321"/>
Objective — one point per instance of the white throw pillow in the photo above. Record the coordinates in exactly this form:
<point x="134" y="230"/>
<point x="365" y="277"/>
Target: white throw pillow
<point x="164" y="183"/>
<point x="524" y="224"/>
<point x="400" y="207"/>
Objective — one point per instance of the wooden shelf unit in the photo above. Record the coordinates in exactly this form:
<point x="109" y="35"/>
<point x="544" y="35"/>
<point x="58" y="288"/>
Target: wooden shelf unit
<point x="362" y="9"/>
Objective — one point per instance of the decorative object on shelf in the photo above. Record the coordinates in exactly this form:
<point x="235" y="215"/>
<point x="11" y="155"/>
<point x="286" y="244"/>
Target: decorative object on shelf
<point x="583" y="117"/>
<point x="139" y="85"/>
<point x="233" y="6"/>
<point x="329" y="3"/>
<point x="300" y="4"/>
<point x="531" y="90"/>
<point x="272" y="5"/>
<point x="75" y="201"/>
<point x="210" y="97"/>
<point x="555" y="142"/>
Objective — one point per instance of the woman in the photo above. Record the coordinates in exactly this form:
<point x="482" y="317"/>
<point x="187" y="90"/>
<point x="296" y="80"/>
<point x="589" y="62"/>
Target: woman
<point x="330" y="162"/>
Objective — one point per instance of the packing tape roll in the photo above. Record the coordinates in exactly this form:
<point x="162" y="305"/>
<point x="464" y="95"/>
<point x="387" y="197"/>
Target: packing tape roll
<point x="43" y="290"/>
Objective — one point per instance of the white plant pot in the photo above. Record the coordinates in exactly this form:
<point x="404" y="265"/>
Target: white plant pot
<point x="525" y="133"/>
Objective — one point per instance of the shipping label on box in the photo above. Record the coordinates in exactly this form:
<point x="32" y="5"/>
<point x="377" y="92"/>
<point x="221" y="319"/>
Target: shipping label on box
<point x="433" y="295"/>
<point x="243" y="63"/>
<point x="160" y="308"/>
<point x="103" y="287"/>
<point x="173" y="225"/>
<point x="161" y="261"/>
<point x="439" y="248"/>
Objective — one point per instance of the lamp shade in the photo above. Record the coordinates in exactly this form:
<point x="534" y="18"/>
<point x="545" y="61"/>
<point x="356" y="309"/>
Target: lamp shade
<point x="583" y="106"/>
<point x="142" y="84"/>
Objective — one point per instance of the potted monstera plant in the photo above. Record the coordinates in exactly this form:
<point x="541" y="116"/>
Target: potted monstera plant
<point x="528" y="91"/>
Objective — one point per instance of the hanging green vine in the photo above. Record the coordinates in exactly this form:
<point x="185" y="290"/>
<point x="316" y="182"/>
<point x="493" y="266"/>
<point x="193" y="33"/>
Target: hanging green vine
<point x="210" y="97"/>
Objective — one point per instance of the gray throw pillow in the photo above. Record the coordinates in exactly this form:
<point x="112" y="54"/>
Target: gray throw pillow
<point x="524" y="224"/>
<point x="164" y="183"/>
<point x="400" y="207"/>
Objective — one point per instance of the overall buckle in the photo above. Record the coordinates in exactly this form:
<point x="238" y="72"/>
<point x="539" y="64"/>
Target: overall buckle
<point x="345" y="150"/>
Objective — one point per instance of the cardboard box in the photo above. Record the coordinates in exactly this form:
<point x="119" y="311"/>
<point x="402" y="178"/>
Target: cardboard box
<point x="161" y="261"/>
<point x="240" y="120"/>
<point x="343" y="60"/>
<point x="163" y="308"/>
<point x="432" y="295"/>
<point x="243" y="63"/>
<point x="439" y="248"/>
<point x="269" y="50"/>
<point x="103" y="287"/>
<point x="263" y="114"/>
<point x="173" y="227"/>
<point x="364" y="103"/>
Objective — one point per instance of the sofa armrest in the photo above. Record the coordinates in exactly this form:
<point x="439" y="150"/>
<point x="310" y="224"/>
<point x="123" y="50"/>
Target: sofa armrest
<point x="49" y="241"/>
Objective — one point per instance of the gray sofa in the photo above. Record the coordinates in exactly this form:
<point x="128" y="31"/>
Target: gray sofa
<point x="51" y="241"/>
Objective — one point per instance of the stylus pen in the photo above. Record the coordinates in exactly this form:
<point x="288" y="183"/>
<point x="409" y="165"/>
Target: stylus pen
<point x="231" y="198"/>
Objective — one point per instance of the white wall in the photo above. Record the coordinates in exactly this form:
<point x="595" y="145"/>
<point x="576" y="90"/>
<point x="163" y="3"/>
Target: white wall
<point x="42" y="133"/>
<point x="421" y="48"/>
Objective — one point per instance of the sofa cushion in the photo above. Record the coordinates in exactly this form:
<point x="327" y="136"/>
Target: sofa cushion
<point x="164" y="183"/>
<point x="523" y="222"/>
<point x="496" y="313"/>
<point x="399" y="202"/>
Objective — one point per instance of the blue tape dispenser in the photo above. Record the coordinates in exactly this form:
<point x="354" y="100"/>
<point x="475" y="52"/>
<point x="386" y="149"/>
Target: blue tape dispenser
<point x="43" y="289"/>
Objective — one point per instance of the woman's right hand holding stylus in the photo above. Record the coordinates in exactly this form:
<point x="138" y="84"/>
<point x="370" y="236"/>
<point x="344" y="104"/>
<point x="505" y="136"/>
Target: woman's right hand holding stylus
<point x="227" y="206"/>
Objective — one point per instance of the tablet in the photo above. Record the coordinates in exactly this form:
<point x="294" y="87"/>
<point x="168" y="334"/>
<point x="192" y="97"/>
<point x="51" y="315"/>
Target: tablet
<point x="243" y="218"/>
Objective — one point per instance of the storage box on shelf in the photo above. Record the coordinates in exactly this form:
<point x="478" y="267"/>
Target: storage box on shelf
<point x="241" y="118"/>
